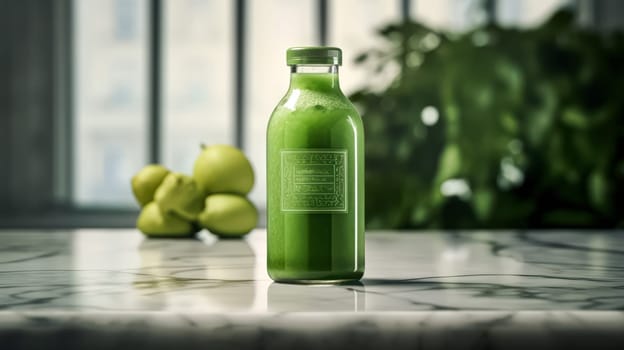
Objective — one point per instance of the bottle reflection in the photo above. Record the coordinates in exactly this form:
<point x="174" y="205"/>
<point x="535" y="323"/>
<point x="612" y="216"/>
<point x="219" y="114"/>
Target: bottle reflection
<point x="211" y="275"/>
<point x="293" y="297"/>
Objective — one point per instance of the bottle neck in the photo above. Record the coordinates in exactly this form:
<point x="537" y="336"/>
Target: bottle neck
<point x="314" y="77"/>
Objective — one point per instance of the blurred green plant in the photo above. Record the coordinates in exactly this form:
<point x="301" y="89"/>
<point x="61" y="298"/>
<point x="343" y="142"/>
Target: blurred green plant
<point x="495" y="128"/>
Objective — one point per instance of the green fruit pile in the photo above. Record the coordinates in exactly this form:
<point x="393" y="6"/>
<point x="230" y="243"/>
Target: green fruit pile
<point x="214" y="198"/>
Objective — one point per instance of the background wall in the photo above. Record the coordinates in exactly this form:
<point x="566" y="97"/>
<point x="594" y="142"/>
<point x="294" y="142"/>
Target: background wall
<point x="51" y="130"/>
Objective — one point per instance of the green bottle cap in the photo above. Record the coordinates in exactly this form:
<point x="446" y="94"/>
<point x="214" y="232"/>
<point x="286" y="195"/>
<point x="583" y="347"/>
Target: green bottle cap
<point x="313" y="55"/>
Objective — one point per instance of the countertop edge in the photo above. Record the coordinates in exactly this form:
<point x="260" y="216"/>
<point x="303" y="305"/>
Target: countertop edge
<point x="307" y="330"/>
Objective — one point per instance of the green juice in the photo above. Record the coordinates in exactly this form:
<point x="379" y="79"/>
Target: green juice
<point x="315" y="181"/>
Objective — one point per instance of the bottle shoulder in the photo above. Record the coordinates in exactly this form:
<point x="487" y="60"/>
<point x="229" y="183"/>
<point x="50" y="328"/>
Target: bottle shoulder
<point x="299" y="101"/>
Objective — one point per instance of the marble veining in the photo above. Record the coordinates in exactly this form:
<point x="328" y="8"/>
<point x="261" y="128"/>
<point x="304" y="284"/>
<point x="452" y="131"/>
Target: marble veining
<point x="119" y="270"/>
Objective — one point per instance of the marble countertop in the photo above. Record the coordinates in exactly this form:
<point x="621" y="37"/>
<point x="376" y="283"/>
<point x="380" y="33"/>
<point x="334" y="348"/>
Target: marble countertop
<point x="427" y="289"/>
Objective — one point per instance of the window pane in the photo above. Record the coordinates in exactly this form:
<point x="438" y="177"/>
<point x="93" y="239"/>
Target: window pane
<point x="197" y="82"/>
<point x="272" y="27"/>
<point x="460" y="15"/>
<point x="526" y="13"/>
<point x="352" y="27"/>
<point x="452" y="15"/>
<point x="110" y="94"/>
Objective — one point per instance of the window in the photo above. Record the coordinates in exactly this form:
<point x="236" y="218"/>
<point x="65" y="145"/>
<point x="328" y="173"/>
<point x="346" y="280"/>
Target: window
<point x="110" y="99"/>
<point x="198" y="67"/>
<point x="527" y="13"/>
<point x="451" y="15"/>
<point x="352" y="27"/>
<point x="199" y="70"/>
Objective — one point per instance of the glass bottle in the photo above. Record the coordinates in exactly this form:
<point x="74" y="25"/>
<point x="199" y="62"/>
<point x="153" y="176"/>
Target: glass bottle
<point x="315" y="175"/>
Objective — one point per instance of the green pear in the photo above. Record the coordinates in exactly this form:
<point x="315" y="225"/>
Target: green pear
<point x="228" y="215"/>
<point x="154" y="223"/>
<point x="223" y="169"/>
<point x="179" y="195"/>
<point x="146" y="181"/>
